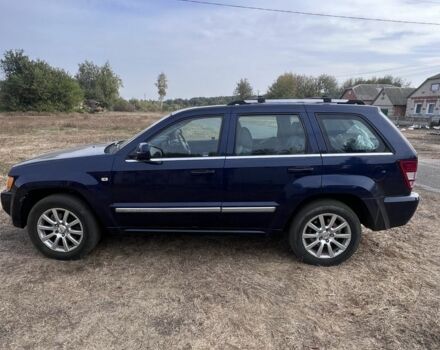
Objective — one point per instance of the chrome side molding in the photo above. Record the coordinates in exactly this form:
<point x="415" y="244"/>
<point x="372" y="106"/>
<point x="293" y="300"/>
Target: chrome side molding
<point x="170" y="210"/>
<point x="198" y="210"/>
<point x="248" y="209"/>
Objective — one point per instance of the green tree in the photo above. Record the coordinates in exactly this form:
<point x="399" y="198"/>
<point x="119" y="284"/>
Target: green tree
<point x="283" y="87"/>
<point x="387" y="79"/>
<point x="162" y="86"/>
<point x="35" y="85"/>
<point x="327" y="85"/>
<point x="289" y="85"/>
<point x="99" y="83"/>
<point x="243" y="89"/>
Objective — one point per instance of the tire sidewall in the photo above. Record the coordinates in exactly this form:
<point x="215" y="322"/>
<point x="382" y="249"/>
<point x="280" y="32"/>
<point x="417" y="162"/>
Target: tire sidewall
<point x="295" y="234"/>
<point x="76" y="208"/>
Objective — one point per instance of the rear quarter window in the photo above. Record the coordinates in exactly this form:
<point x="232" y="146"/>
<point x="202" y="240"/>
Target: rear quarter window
<point x="350" y="134"/>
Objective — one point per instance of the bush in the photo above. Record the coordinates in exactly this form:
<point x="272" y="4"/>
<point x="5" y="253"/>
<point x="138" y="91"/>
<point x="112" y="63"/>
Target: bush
<point x="99" y="83"/>
<point x="121" y="105"/>
<point x="35" y="85"/>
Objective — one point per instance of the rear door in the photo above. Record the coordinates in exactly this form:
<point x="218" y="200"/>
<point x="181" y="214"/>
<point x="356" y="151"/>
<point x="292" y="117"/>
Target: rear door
<point x="272" y="164"/>
<point x="357" y="158"/>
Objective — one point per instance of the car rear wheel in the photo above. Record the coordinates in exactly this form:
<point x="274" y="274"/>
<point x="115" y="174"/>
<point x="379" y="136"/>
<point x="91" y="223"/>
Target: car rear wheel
<point x="62" y="227"/>
<point x="325" y="232"/>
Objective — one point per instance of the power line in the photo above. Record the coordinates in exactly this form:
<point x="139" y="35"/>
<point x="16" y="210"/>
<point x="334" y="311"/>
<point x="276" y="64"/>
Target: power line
<point x="424" y="71"/>
<point x="309" y="13"/>
<point x="411" y="68"/>
<point x="428" y="2"/>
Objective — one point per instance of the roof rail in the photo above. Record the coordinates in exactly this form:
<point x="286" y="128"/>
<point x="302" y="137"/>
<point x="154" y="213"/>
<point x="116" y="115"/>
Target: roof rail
<point x="354" y="102"/>
<point x="260" y="99"/>
<point x="305" y="100"/>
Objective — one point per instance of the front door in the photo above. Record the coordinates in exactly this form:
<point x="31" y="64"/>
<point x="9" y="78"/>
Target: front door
<point x="181" y="189"/>
<point x="271" y="165"/>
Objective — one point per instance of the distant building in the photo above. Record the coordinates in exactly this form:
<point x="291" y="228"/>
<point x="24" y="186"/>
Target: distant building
<point x="392" y="101"/>
<point x="363" y="92"/>
<point x="425" y="100"/>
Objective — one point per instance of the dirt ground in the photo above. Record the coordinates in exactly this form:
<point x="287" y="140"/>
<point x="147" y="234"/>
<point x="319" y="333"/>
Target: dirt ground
<point x="201" y="292"/>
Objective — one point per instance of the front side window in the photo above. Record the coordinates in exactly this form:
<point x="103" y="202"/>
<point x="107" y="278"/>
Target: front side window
<point x="349" y="134"/>
<point x="418" y="108"/>
<point x="269" y="135"/>
<point x="195" y="137"/>
<point x="430" y="108"/>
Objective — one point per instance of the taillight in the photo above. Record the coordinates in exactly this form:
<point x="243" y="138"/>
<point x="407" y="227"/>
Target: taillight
<point x="409" y="171"/>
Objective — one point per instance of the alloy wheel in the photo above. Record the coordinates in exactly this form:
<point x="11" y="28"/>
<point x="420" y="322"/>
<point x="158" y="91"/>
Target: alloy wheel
<point x="60" y="230"/>
<point x="326" y="235"/>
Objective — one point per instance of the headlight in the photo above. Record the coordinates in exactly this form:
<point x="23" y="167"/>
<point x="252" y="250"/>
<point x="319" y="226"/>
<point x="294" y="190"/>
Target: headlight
<point x="9" y="183"/>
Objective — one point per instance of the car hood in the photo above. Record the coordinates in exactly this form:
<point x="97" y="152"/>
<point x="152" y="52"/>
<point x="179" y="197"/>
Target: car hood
<point x="76" y="152"/>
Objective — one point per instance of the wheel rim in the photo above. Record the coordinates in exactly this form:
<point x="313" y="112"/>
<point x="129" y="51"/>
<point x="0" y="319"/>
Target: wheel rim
<point x="60" y="230"/>
<point x="326" y="235"/>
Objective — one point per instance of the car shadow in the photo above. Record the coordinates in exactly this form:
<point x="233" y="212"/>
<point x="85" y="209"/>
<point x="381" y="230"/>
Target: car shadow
<point x="195" y="243"/>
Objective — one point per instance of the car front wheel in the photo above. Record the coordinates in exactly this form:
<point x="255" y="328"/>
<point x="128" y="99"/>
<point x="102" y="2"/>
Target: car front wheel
<point x="325" y="232"/>
<point x="62" y="227"/>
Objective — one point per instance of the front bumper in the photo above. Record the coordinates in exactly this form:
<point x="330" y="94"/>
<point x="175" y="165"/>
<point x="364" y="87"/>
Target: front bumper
<point x="6" y="199"/>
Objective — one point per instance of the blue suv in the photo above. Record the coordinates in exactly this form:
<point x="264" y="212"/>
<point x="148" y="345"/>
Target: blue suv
<point x="314" y="169"/>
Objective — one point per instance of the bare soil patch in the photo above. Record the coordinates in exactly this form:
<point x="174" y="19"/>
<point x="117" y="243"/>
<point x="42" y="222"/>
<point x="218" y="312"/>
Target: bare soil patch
<point x="202" y="292"/>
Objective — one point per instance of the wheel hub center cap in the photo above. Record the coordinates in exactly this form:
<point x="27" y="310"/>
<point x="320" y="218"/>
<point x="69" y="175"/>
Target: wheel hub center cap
<point x="62" y="229"/>
<point x="325" y="235"/>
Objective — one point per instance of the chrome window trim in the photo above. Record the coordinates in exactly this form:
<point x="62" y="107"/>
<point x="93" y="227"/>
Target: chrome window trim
<point x="365" y="154"/>
<point x="175" y="159"/>
<point x="308" y="155"/>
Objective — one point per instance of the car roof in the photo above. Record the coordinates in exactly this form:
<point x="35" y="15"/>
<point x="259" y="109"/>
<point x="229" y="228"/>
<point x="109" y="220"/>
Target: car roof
<point x="265" y="105"/>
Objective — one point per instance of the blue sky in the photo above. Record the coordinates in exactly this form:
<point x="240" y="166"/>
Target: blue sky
<point x="204" y="50"/>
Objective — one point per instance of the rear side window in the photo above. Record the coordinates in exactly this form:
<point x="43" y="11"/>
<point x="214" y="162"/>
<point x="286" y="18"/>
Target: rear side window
<point x="269" y="135"/>
<point x="349" y="134"/>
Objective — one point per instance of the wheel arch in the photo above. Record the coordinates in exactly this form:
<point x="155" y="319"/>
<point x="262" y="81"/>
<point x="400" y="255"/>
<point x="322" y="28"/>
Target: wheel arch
<point x="355" y="203"/>
<point x="35" y="195"/>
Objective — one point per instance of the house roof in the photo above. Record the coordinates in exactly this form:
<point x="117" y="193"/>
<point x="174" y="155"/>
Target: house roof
<point x="367" y="92"/>
<point x="437" y="76"/>
<point x="397" y="95"/>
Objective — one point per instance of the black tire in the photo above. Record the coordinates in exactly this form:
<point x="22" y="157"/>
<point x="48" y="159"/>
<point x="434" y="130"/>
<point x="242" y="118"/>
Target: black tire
<point x="91" y="233"/>
<point x="313" y="210"/>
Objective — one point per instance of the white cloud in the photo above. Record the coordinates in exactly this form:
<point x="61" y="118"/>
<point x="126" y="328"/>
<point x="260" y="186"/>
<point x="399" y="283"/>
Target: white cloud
<point x="204" y="49"/>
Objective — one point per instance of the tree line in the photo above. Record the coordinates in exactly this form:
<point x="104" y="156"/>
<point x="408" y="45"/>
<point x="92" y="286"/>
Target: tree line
<point x="34" y="85"/>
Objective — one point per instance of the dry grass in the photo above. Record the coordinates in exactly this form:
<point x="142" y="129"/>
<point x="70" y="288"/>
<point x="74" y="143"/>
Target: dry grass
<point x="200" y="292"/>
<point x="427" y="144"/>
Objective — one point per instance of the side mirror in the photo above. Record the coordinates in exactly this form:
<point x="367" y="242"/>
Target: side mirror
<point x="145" y="151"/>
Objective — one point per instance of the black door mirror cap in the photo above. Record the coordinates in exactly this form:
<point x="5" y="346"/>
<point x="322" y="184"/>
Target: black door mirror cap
<point x="145" y="152"/>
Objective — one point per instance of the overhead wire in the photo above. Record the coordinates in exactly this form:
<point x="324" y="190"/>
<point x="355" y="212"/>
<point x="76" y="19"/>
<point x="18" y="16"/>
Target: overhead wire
<point x="305" y="13"/>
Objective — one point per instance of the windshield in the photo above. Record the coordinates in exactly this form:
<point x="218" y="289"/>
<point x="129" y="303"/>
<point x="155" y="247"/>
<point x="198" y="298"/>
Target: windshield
<point x="116" y="146"/>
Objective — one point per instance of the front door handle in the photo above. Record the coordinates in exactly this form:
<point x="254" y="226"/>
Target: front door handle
<point x="202" y="171"/>
<point x="300" y="170"/>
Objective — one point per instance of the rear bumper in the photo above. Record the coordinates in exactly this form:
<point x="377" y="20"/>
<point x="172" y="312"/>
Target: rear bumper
<point x="388" y="212"/>
<point x="400" y="210"/>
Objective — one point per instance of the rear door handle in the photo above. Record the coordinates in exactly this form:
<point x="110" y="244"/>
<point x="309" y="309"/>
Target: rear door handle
<point x="202" y="171"/>
<point x="300" y="170"/>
